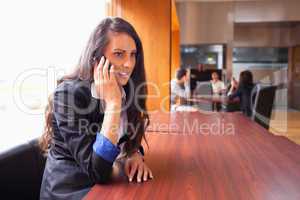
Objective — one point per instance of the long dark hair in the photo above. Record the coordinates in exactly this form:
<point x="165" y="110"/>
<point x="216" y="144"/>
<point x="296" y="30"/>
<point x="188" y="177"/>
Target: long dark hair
<point x="136" y="112"/>
<point x="246" y="79"/>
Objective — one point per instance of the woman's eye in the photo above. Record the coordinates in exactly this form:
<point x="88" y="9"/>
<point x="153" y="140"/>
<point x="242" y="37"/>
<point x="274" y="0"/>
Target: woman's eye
<point x="118" y="54"/>
<point x="133" y="54"/>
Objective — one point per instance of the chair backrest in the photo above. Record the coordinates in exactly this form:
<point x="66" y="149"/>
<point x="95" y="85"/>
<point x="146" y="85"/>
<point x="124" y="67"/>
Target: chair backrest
<point x="263" y="103"/>
<point x="203" y="88"/>
<point x="21" y="171"/>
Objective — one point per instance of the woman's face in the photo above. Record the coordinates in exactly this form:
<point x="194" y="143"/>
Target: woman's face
<point x="121" y="52"/>
<point x="215" y="76"/>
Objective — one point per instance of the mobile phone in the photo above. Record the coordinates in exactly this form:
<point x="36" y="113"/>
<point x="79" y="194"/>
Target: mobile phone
<point x="97" y="59"/>
<point x="109" y="66"/>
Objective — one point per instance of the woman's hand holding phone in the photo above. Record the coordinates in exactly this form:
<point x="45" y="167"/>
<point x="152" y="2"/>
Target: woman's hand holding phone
<point x="106" y="83"/>
<point x="108" y="90"/>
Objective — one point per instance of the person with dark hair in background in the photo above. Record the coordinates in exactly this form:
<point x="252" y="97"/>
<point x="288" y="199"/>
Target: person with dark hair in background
<point x="97" y="115"/>
<point x="243" y="91"/>
<point x="180" y="89"/>
<point x="233" y="105"/>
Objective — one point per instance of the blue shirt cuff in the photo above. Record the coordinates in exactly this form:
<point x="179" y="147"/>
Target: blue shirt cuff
<point x="105" y="149"/>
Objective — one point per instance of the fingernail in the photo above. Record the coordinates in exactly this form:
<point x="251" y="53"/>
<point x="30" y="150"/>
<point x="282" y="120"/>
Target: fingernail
<point x="102" y="60"/>
<point x="130" y="179"/>
<point x="145" y="179"/>
<point x="139" y="180"/>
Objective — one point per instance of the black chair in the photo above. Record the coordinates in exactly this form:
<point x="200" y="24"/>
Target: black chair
<point x="262" y="104"/>
<point x="21" y="171"/>
<point x="204" y="89"/>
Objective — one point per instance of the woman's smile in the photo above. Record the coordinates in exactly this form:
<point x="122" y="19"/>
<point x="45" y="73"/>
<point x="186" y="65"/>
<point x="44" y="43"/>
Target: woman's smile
<point x="123" y="74"/>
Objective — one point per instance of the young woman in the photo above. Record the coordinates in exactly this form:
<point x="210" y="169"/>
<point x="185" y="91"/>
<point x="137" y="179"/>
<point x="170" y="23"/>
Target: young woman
<point x="218" y="86"/>
<point x="243" y="91"/>
<point x="232" y="87"/>
<point x="97" y="114"/>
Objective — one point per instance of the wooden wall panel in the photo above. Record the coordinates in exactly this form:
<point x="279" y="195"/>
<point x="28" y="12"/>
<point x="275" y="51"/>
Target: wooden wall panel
<point x="267" y="11"/>
<point x="228" y="60"/>
<point x="113" y="8"/>
<point x="290" y="74"/>
<point x="295" y="78"/>
<point x="212" y="22"/>
<point x="262" y="35"/>
<point x="175" y="45"/>
<point x="152" y="21"/>
<point x="205" y="22"/>
<point x="295" y="35"/>
<point x="175" y="52"/>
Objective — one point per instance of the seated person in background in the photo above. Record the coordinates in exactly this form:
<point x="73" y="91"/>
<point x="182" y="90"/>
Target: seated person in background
<point x="218" y="86"/>
<point x="232" y="105"/>
<point x="180" y="89"/>
<point x="243" y="91"/>
<point x="232" y="87"/>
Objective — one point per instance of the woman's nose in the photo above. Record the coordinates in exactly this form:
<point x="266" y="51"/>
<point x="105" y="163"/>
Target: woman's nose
<point x="128" y="63"/>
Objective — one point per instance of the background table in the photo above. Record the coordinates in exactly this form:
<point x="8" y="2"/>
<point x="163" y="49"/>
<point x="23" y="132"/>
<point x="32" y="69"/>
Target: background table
<point x="212" y="98"/>
<point x="248" y="163"/>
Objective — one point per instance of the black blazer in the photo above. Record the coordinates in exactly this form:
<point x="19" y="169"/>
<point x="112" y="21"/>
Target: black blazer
<point x="72" y="166"/>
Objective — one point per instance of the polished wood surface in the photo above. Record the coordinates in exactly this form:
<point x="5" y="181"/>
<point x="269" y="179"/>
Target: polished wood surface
<point x="286" y="123"/>
<point x="236" y="159"/>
